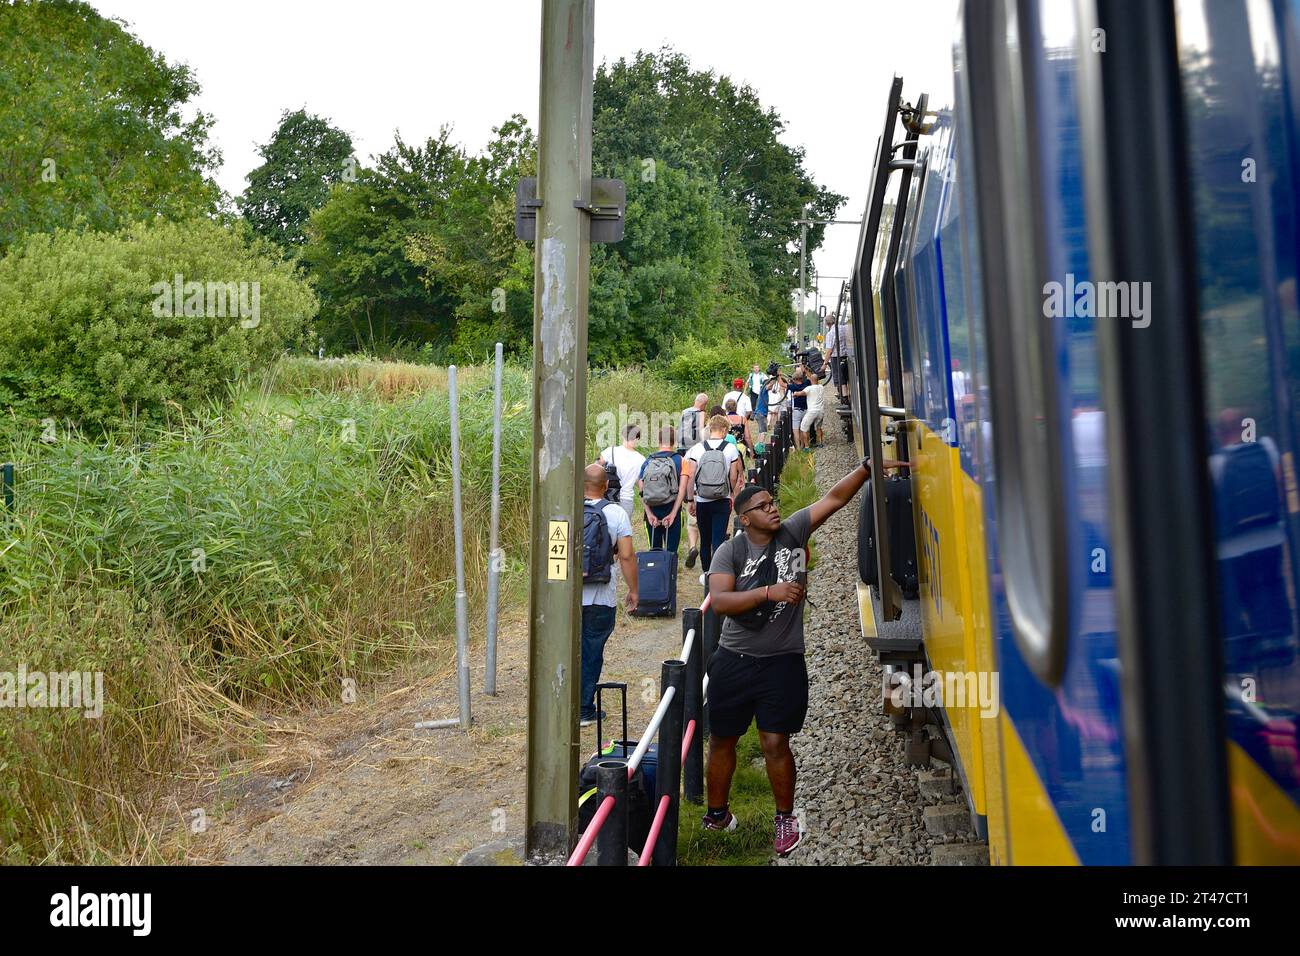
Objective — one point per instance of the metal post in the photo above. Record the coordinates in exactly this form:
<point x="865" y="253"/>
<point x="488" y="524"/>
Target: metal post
<point x="693" y="772"/>
<point x="669" y="772"/>
<point x="496" y="557"/>
<point x="462" y="602"/>
<point x="562" y="259"/>
<point x="803" y="275"/>
<point x="711" y="629"/>
<point x="611" y="842"/>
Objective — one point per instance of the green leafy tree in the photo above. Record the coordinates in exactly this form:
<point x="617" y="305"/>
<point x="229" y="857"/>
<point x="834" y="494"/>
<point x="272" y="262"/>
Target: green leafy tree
<point x="91" y="127"/>
<point x="372" y="295"/>
<point x="304" y="157"/>
<point x="92" y="327"/>
<point x="473" y="252"/>
<point x="656" y="108"/>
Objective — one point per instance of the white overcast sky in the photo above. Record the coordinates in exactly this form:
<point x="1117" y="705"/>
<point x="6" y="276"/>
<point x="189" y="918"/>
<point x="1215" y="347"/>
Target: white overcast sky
<point x="379" y="66"/>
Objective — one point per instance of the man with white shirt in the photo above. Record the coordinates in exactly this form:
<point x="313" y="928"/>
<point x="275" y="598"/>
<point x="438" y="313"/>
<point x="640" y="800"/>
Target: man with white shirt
<point x="744" y="407"/>
<point x="812" y="418"/>
<point x="627" y="462"/>
<point x="839" y="343"/>
<point x="600" y="596"/>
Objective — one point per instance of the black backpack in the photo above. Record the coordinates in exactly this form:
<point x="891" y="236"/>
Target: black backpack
<point x="614" y="484"/>
<point x="755" y="619"/>
<point x="1247" y="496"/>
<point x="597" y="550"/>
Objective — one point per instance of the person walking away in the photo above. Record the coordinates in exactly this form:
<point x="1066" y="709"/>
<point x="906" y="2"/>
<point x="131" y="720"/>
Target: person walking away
<point x="799" y="403"/>
<point x="713" y="475"/>
<point x="757" y="584"/>
<point x="739" y="427"/>
<point x="606" y="535"/>
<point x="693" y="429"/>
<point x="693" y="421"/>
<point x="743" y="405"/>
<point x="777" y="399"/>
<point x="812" y="418"/>
<point x="663" y="491"/>
<point x="627" y="462"/>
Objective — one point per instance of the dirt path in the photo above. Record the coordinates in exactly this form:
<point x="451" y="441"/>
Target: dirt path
<point x="358" y="784"/>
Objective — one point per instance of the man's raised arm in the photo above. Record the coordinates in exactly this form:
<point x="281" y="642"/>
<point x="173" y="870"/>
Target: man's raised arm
<point x="845" y="489"/>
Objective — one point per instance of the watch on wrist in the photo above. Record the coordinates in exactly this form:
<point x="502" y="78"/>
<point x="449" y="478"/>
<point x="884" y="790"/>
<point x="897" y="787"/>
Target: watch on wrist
<point x="866" y="463"/>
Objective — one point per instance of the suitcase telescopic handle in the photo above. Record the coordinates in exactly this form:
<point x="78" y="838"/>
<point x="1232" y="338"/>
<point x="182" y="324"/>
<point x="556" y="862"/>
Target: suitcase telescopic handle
<point x="600" y="734"/>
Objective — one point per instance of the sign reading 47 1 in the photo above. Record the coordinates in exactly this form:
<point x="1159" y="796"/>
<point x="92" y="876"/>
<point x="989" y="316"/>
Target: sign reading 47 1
<point x="557" y="551"/>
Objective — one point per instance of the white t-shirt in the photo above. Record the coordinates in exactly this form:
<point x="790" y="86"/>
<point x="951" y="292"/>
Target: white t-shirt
<point x="775" y="398"/>
<point x="755" y="381"/>
<point x="744" y="407"/>
<point x="628" y="464"/>
<point x="814" y="395"/>
<point x="619" y="527"/>
<point x="695" y="454"/>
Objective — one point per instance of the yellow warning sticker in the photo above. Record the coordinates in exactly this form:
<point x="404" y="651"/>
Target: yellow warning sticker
<point x="557" y="551"/>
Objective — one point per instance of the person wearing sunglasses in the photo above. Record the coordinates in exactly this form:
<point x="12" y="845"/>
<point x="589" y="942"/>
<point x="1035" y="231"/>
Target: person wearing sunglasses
<point x="758" y="582"/>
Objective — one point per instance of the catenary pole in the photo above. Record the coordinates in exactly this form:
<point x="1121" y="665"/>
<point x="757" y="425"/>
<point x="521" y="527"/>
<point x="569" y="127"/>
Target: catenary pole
<point x="561" y="260"/>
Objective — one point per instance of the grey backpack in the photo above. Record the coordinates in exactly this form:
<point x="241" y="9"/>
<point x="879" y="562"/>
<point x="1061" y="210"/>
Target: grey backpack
<point x="713" y="479"/>
<point x="660" y="484"/>
<point x="690" y="430"/>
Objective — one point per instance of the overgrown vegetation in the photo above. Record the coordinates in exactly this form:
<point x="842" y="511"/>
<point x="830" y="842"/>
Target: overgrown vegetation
<point x="221" y="565"/>
<point x="97" y="327"/>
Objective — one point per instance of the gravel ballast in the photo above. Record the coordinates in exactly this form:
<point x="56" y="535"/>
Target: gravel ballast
<point x="857" y="799"/>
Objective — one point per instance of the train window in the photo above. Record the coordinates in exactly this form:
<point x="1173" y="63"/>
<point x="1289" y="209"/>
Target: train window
<point x="1024" y="341"/>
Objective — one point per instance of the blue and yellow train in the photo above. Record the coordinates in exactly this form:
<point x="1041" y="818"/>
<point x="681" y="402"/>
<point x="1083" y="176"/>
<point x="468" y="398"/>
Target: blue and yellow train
<point x="1074" y="306"/>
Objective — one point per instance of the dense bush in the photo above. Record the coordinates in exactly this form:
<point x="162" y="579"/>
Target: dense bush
<point x="88" y="334"/>
<point x="699" y="365"/>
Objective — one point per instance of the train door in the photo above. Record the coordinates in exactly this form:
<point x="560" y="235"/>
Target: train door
<point x="1240" y="68"/>
<point x="1050" y="562"/>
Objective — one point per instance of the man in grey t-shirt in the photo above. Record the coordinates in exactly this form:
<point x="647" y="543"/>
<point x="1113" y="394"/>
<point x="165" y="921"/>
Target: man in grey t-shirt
<point x="756" y="583"/>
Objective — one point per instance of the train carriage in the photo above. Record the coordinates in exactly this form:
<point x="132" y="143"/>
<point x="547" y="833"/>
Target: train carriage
<point x="1075" y="313"/>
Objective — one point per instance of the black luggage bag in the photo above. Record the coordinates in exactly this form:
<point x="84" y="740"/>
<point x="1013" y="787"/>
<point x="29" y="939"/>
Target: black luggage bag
<point x="902" y="537"/>
<point x="640" y="789"/>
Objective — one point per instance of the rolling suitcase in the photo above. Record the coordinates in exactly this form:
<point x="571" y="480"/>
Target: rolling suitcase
<point x="641" y="788"/>
<point x="902" y="537"/>
<point x="656" y="572"/>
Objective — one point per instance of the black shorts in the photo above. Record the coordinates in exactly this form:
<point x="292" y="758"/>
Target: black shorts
<point x="742" y="688"/>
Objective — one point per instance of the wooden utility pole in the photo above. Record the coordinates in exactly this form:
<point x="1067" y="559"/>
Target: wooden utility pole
<point x="561" y="257"/>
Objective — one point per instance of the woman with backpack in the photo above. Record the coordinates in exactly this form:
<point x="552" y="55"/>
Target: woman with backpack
<point x="713" y="475"/>
<point x="662" y="492"/>
<point x="738" y="426"/>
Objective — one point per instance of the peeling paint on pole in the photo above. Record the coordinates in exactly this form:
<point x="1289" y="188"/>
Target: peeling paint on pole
<point x="557" y="443"/>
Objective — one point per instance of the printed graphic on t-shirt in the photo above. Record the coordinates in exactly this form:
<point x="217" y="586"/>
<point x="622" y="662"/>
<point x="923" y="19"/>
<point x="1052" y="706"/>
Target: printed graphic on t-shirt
<point x="786" y="570"/>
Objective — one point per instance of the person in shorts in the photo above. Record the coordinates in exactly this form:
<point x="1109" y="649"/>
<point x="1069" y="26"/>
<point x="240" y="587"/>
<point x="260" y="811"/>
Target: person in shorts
<point x="798" y="392"/>
<point x="812" y="418"/>
<point x="757" y="583"/>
